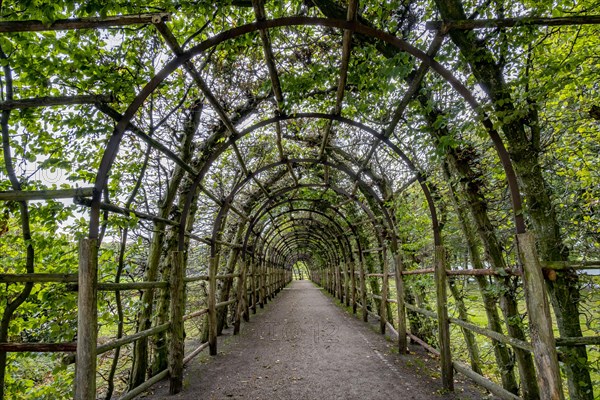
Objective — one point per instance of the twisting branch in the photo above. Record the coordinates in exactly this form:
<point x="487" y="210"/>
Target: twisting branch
<point x="83" y="23"/>
<point x="120" y="266"/>
<point x="12" y="306"/>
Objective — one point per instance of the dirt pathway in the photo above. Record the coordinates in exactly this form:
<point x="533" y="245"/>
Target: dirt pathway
<point x="303" y="346"/>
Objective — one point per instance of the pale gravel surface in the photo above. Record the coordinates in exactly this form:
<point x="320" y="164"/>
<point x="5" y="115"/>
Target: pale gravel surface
<point x="303" y="346"/>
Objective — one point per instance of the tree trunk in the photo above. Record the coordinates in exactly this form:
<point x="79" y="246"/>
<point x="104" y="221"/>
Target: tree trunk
<point x="524" y="152"/>
<point x="469" y="337"/>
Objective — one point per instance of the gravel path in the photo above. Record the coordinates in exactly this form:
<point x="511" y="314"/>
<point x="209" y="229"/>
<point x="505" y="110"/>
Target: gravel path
<point x="303" y="346"/>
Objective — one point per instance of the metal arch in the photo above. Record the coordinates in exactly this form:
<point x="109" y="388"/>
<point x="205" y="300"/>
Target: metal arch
<point x="381" y="137"/>
<point x="341" y="167"/>
<point x="341" y="231"/>
<point x="329" y="250"/>
<point x="329" y="207"/>
<point x="269" y="205"/>
<point x="339" y="191"/>
<point x="344" y="243"/>
<point x="315" y="239"/>
<point x="337" y="211"/>
<point x="311" y="245"/>
<point x="282" y="213"/>
<point x="287" y="241"/>
<point x="270" y="236"/>
<point x="338" y="233"/>
<point x="114" y="142"/>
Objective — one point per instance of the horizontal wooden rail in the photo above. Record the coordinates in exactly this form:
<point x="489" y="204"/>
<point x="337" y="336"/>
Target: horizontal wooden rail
<point x="418" y="271"/>
<point x="376" y="275"/>
<point x="578" y="341"/>
<point x="427" y="313"/>
<point x="484" y="382"/>
<point x="391" y="328"/>
<point x="25" y="195"/>
<point x="38" y="278"/>
<point x="145" y="386"/>
<point x="56" y="101"/>
<point x="224" y="303"/>
<point x="423" y="344"/>
<point x="83" y="23"/>
<point x="114" y="286"/>
<point x="123" y="341"/>
<point x="69" y="347"/>
<point x="492" y="334"/>
<point x="125" y="211"/>
<point x="132" y="338"/>
<point x="194" y="353"/>
<point x="373" y="250"/>
<point x="477" y="329"/>
<point x="372" y="314"/>
<point x="512" y="22"/>
<point x="205" y="277"/>
<point x="482" y="272"/>
<point x="196" y="278"/>
<point x="195" y="314"/>
<point x="558" y="265"/>
<point x="228" y="276"/>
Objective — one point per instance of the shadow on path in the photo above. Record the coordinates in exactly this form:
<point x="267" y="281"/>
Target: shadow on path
<point x="303" y="346"/>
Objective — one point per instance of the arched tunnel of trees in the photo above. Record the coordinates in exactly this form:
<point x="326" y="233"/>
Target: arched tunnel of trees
<point x="169" y="166"/>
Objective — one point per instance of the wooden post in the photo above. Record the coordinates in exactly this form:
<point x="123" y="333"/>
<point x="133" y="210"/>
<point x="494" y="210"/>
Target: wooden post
<point x="261" y="284"/>
<point x="399" y="267"/>
<point x="363" y="293"/>
<point x="254" y="287"/>
<point x="338" y="282"/>
<point x="87" y="320"/>
<point x="269" y="282"/>
<point x="353" y="283"/>
<point x="443" y="322"/>
<point x="384" y="295"/>
<point x="241" y="296"/>
<point x="212" y="302"/>
<point x="346" y="284"/>
<point x="333" y="282"/>
<point x="247" y="297"/>
<point x="540" y="320"/>
<point x="273" y="282"/>
<point x="177" y="309"/>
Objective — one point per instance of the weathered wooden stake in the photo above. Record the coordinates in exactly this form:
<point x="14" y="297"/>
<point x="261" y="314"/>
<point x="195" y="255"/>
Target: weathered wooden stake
<point x="241" y="296"/>
<point x="177" y="309"/>
<point x="443" y="323"/>
<point x="212" y="310"/>
<point x="261" y="283"/>
<point x="384" y="295"/>
<point x="399" y="267"/>
<point x="254" y="287"/>
<point x="540" y="320"/>
<point x="363" y="292"/>
<point x="87" y="321"/>
<point x="338" y="280"/>
<point x="346" y="284"/>
<point x="353" y="283"/>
